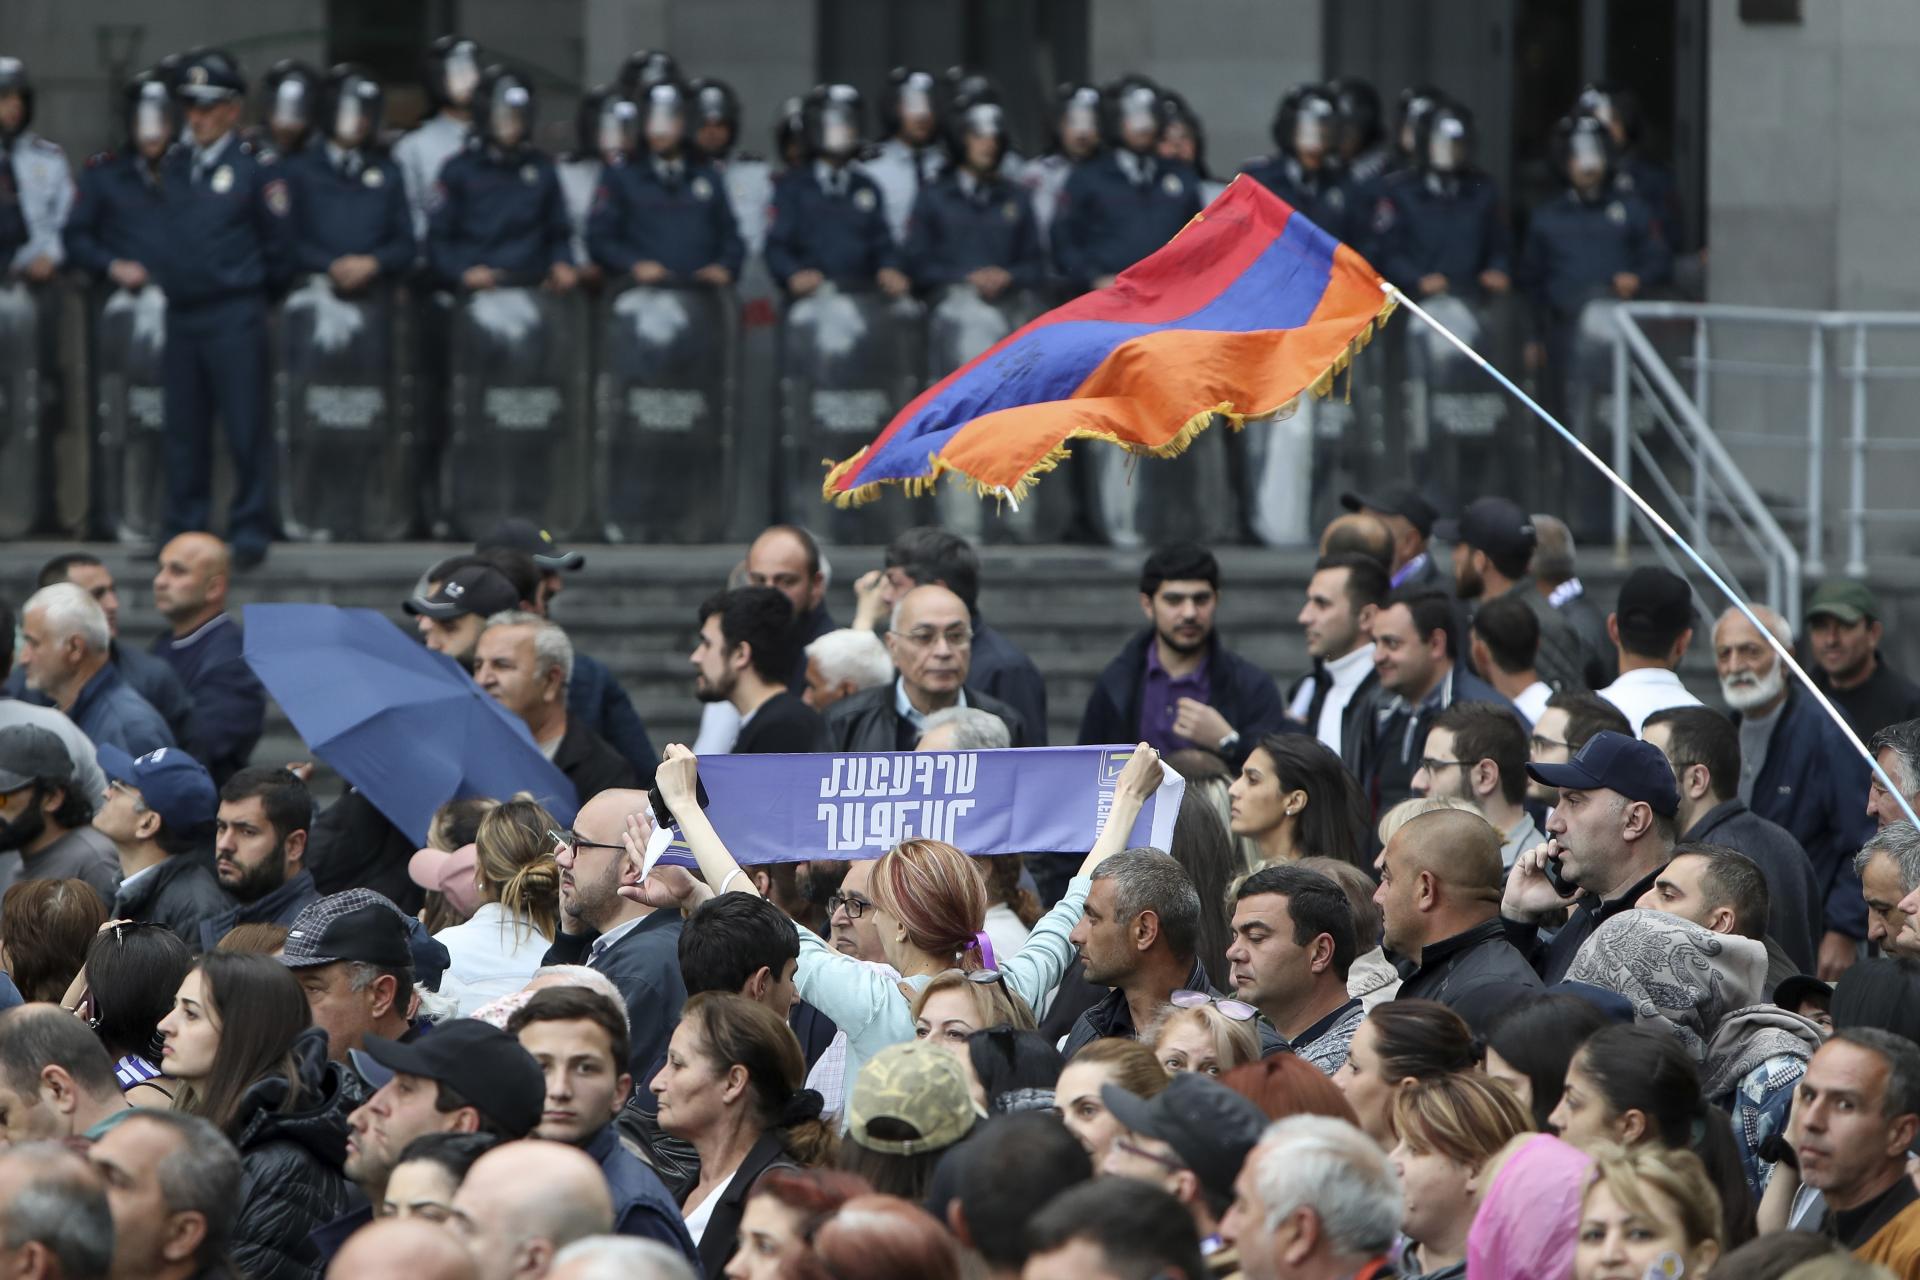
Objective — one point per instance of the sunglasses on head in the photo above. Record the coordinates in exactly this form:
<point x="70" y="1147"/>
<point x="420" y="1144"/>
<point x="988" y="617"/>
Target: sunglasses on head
<point x="1237" y="1010"/>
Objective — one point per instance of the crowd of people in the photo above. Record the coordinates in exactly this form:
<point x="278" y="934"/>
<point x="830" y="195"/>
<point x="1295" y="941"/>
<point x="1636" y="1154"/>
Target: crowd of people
<point x="1480" y="948"/>
<point x="220" y="218"/>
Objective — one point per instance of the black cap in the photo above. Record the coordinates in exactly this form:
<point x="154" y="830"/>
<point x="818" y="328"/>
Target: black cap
<point x="1405" y="502"/>
<point x="1208" y="1125"/>
<point x="30" y="754"/>
<point x="212" y="76"/>
<point x="1799" y="989"/>
<point x="477" y="588"/>
<point x="481" y="1063"/>
<point x="1496" y="526"/>
<point x="1655" y="600"/>
<point x="1610" y="761"/>
<point x="355" y="924"/>
<point x="517" y="534"/>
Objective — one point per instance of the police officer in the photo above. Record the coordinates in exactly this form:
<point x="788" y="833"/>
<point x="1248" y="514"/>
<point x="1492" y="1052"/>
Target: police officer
<point x="1619" y="109"/>
<point x="645" y="68"/>
<point x="972" y="225"/>
<point x="606" y="131"/>
<point x="452" y="74"/>
<point x="913" y="153"/>
<point x="499" y="218"/>
<point x="350" y="220"/>
<point x="790" y="135"/>
<point x="1126" y="202"/>
<point x="226" y="207"/>
<point x="748" y="178"/>
<point x="1364" y="150"/>
<point x="1183" y="140"/>
<point x="665" y="218"/>
<point x="1076" y="137"/>
<point x="117" y="230"/>
<point x="1305" y="171"/>
<point x="290" y="92"/>
<point x="34" y="180"/>
<point x="829" y="220"/>
<point x="1441" y="230"/>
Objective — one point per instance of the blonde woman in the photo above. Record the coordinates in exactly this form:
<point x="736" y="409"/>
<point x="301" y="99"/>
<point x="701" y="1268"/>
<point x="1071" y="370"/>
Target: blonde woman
<point x="1450" y="1129"/>
<point x="957" y="1003"/>
<point x="1206" y="1035"/>
<point x="517" y="882"/>
<point x="1648" y="1211"/>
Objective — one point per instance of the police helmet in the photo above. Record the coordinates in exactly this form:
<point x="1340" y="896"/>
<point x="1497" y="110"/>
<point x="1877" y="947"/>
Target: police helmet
<point x="149" y="110"/>
<point x="1307" y="116"/>
<point x="352" y="104"/>
<point x="967" y="87"/>
<point x="1175" y="110"/>
<point x="663" y="111"/>
<point x="1131" y="100"/>
<point x="607" y="123"/>
<point x="1444" y="138"/>
<point x="1415" y="101"/>
<point x="790" y="128"/>
<point x="1359" y="105"/>
<point x="289" y="91"/>
<point x="985" y="118"/>
<point x="834" y="117"/>
<point x="910" y="91"/>
<point x="1614" y="105"/>
<point x="503" y="108"/>
<point x="645" y="68"/>
<point x="1076" y="105"/>
<point x="209" y="77"/>
<point x="715" y="102"/>
<point x="452" y="71"/>
<point x="1582" y="139"/>
<point x="14" y="79"/>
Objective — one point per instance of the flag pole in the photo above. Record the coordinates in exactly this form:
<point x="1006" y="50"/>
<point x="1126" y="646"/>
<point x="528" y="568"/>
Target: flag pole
<point x="1660" y="522"/>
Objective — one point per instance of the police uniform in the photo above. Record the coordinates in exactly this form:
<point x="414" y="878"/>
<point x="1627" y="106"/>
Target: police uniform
<point x="961" y="224"/>
<point x="1576" y="245"/>
<point x="1440" y="224"/>
<point x="1045" y="178"/>
<point x="1634" y="174"/>
<point x="348" y="203"/>
<point x="118" y="213"/>
<point x="226" y="214"/>
<point x="902" y="171"/>
<point x="673" y="212"/>
<point x="498" y="209"/>
<point x="1116" y="209"/>
<point x="832" y="221"/>
<point x="1322" y="194"/>
<point x="44" y="186"/>
<point x="421" y="155"/>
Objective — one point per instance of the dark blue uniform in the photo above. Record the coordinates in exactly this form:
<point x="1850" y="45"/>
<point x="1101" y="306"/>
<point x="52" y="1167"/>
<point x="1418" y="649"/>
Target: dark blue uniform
<point x="1109" y="219"/>
<point x="648" y="211"/>
<point x="350" y="206"/>
<point x="1323" y="195"/>
<point x="961" y="224"/>
<point x="840" y="233"/>
<point x="1575" y="246"/>
<point x="118" y="212"/>
<point x="1438" y="224"/>
<point x="226" y="213"/>
<point x="1635" y="175"/>
<point x="499" y="210"/>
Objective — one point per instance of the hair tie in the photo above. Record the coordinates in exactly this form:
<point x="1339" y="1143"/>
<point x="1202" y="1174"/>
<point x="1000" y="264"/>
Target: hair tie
<point x="802" y="1106"/>
<point x="1478" y="1048"/>
<point x="984" y="946"/>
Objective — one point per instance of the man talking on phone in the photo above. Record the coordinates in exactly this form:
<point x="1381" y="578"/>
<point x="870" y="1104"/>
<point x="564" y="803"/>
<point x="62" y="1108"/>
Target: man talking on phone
<point x="1611" y="832"/>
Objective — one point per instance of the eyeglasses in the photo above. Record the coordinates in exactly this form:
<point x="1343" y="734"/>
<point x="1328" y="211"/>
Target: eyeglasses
<point x="572" y="842"/>
<point x="1237" y="1010"/>
<point x="855" y="906"/>
<point x="924" y="637"/>
<point x="1434" y="766"/>
<point x="1542" y="744"/>
<point x="1132" y="1148"/>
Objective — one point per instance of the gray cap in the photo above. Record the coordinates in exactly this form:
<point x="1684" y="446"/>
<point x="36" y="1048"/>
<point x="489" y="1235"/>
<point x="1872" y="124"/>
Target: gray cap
<point x="30" y="754"/>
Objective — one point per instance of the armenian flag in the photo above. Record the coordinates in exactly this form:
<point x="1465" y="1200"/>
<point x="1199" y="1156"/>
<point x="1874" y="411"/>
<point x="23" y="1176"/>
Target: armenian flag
<point x="1242" y="312"/>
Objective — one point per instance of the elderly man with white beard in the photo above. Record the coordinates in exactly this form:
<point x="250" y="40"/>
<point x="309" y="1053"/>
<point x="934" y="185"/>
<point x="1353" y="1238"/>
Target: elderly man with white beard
<point x="1799" y="769"/>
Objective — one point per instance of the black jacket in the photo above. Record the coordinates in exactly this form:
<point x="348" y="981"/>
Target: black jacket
<point x="1795" y="903"/>
<point x="1390" y="733"/>
<point x="999" y="668"/>
<point x="1551" y="960"/>
<point x="1241" y="692"/>
<point x="591" y="765"/>
<point x="353" y="846"/>
<point x="722" y="1236"/>
<point x="867" y="721"/>
<point x="783" y="725"/>
<point x="1452" y="967"/>
<point x="179" y="893"/>
<point x="279" y="907"/>
<point x="1113" y="1016"/>
<point x="290" y="1177"/>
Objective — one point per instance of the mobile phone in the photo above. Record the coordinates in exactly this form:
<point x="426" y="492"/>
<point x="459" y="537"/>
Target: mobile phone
<point x="663" y="816"/>
<point x="1555" y="877"/>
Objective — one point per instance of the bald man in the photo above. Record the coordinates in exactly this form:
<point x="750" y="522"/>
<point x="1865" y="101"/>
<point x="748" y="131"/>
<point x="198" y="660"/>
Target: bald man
<point x="402" y="1249"/>
<point x="637" y="947"/>
<point x="229" y="706"/>
<point x="522" y="1203"/>
<point x="930" y="640"/>
<point x="1439" y="899"/>
<point x="1800" y="770"/>
<point x="1359" y="533"/>
<point x="786" y="558"/>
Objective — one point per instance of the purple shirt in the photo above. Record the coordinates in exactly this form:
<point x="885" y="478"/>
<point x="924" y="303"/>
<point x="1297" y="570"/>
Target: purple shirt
<point x="1160" y="695"/>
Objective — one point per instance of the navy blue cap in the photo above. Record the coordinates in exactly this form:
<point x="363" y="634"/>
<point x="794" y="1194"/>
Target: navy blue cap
<point x="170" y="782"/>
<point x="212" y="76"/>
<point x="1614" y="762"/>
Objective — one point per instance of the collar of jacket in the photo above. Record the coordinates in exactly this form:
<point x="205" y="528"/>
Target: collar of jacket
<point x="1434" y="955"/>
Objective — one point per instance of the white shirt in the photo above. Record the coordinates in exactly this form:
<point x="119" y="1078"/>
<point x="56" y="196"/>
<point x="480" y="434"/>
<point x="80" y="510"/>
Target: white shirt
<point x="697" y="1219"/>
<point x="421" y="155"/>
<point x="492" y="955"/>
<point x="1347" y="673"/>
<point x="719" y="728"/>
<point x="1532" y="700"/>
<point x="1640" y="693"/>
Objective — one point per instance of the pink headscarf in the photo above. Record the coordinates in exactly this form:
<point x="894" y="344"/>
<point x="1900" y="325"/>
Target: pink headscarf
<point x="1527" y="1225"/>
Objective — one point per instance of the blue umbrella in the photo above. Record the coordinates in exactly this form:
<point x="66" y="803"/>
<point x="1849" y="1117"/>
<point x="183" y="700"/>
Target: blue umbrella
<point x="405" y="725"/>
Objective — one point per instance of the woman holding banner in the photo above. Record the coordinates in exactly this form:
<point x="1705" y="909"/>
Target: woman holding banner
<point x="929" y="902"/>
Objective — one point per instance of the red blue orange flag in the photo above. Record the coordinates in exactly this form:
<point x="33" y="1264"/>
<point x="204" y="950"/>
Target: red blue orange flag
<point x="1246" y="309"/>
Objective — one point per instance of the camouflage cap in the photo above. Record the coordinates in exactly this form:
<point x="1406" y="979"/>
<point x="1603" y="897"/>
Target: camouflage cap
<point x="910" y="1098"/>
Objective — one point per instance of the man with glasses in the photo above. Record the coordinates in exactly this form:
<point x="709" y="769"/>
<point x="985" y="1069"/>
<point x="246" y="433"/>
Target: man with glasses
<point x="1439" y="899"/>
<point x="1563" y="728"/>
<point x="159" y="813"/>
<point x="1292" y="948"/>
<point x="1477" y="753"/>
<point x="931" y="643"/>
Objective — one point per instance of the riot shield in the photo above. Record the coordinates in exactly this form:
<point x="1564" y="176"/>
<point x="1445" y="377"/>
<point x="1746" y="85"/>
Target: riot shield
<point x="129" y="394"/>
<point x="848" y="362"/>
<point x="517" y="404"/>
<point x="1458" y="420"/>
<point x="344" y="433"/>
<point x="23" y="445"/>
<point x="960" y="325"/>
<point x="663" y="441"/>
<point x="1133" y="501"/>
<point x="1582" y="348"/>
<point x="1292" y="470"/>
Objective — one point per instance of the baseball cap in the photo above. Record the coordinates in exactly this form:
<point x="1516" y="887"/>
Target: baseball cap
<point x="1496" y="526"/>
<point x="1405" y="502"/>
<point x="482" y="1064"/>
<point x="1207" y="1124"/>
<point x="913" y="1087"/>
<point x="448" y="874"/>
<point x="477" y="588"/>
<point x="1656" y="600"/>
<point x="1612" y="761"/>
<point x="30" y="754"/>
<point x="170" y="782"/>
<point x="519" y="534"/>
<point x="1845" y="599"/>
